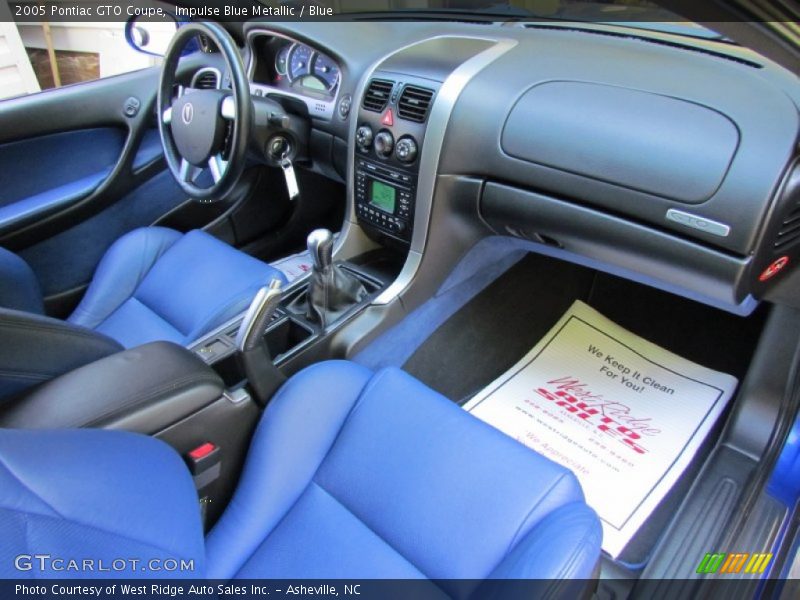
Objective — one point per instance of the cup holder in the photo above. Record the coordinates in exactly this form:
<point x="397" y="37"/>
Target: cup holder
<point x="285" y="336"/>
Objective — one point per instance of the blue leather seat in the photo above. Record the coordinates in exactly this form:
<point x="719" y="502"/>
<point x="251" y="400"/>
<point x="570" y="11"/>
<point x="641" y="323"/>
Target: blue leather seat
<point x="351" y="474"/>
<point x="152" y="284"/>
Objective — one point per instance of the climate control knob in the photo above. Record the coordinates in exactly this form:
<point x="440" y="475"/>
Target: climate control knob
<point x="364" y="137"/>
<point x="384" y="144"/>
<point x="406" y="150"/>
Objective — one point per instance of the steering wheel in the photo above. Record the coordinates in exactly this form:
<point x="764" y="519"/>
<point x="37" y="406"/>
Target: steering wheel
<point x="205" y="129"/>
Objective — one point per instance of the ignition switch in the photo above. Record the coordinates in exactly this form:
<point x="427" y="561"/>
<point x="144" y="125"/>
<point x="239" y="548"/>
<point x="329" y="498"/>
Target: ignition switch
<point x="278" y="147"/>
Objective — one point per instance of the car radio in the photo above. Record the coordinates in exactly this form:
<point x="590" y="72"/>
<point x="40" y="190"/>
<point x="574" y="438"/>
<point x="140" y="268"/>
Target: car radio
<point x="389" y="136"/>
<point x="384" y="198"/>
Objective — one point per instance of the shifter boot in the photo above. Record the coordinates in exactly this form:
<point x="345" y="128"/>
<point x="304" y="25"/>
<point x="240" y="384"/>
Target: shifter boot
<point x="331" y="292"/>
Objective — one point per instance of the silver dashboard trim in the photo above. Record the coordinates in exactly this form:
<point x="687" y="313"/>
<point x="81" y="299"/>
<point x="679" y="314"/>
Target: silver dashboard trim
<point x="439" y="117"/>
<point x="699" y="223"/>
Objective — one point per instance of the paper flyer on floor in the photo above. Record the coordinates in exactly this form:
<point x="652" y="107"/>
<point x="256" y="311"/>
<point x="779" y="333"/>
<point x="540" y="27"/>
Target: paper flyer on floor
<point x="625" y="415"/>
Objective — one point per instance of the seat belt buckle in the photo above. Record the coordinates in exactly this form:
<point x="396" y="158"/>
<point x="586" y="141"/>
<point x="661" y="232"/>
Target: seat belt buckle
<point x="205" y="464"/>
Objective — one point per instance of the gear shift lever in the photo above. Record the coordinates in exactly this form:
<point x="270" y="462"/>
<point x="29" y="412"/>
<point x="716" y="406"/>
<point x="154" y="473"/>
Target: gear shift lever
<point x="254" y="357"/>
<point x="331" y="290"/>
<point x="320" y="247"/>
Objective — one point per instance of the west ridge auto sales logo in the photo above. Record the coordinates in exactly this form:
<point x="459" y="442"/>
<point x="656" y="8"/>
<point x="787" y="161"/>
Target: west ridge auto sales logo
<point x="612" y="418"/>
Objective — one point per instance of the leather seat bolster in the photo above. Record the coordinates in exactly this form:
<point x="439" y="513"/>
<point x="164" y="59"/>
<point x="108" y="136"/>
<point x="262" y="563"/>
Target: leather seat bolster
<point x="350" y="475"/>
<point x="158" y="284"/>
<point x="19" y="288"/>
<point x="97" y="494"/>
<point x="563" y="545"/>
<point x="299" y="427"/>
<point x="35" y="349"/>
<point x="123" y="267"/>
<point x="143" y="389"/>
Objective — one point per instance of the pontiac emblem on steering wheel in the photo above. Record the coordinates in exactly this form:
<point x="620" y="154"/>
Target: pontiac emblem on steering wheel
<point x="187" y="113"/>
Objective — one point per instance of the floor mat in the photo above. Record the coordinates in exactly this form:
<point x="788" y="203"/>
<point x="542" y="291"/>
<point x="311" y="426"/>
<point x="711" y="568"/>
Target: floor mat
<point x="489" y="333"/>
<point x="624" y="415"/>
<point x="501" y="323"/>
<point x="497" y="326"/>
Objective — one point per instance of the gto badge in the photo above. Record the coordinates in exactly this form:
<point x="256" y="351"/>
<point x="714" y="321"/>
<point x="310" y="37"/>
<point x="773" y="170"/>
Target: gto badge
<point x="187" y="113"/>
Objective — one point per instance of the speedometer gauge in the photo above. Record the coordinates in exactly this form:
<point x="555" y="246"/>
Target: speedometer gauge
<point x="300" y="61"/>
<point x="282" y="60"/>
<point x="327" y="71"/>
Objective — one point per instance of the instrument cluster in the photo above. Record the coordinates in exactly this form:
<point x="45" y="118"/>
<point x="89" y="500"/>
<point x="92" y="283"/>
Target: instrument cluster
<point x="295" y="67"/>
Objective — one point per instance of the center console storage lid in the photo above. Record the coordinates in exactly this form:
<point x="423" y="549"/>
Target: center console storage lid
<point x="144" y="389"/>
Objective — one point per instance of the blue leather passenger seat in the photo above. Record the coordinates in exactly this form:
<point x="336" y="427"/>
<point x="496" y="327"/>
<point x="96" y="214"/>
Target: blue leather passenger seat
<point x="153" y="284"/>
<point x="351" y="474"/>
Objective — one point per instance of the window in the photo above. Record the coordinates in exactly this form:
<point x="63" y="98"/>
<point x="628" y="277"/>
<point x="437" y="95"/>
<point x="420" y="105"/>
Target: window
<point x="39" y="56"/>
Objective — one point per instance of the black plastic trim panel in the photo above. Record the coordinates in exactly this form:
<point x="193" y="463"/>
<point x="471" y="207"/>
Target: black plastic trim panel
<point x="616" y="241"/>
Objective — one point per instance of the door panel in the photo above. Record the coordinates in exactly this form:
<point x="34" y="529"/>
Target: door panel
<point x="50" y="172"/>
<point x="79" y="138"/>
<point x="67" y="260"/>
<point x="78" y="173"/>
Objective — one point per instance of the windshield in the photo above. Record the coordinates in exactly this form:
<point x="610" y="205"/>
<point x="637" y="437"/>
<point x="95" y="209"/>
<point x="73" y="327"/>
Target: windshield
<point x="642" y="14"/>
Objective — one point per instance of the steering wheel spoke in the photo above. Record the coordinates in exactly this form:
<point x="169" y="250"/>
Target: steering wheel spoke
<point x="188" y="172"/>
<point x="228" y="108"/>
<point x="218" y="166"/>
<point x="166" y="114"/>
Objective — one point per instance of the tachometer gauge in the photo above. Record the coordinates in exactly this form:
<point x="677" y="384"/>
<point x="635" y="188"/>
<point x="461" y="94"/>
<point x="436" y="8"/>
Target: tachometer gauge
<point x="282" y="61"/>
<point x="300" y="61"/>
<point x="327" y="71"/>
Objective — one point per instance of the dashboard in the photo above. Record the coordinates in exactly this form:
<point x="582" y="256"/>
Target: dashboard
<point x="691" y="181"/>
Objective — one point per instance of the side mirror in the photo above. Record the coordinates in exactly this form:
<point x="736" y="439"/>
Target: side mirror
<point x="150" y="36"/>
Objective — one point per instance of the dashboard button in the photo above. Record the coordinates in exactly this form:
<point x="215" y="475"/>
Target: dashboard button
<point x="406" y="151"/>
<point x="345" y="104"/>
<point x="384" y="143"/>
<point x="364" y="138"/>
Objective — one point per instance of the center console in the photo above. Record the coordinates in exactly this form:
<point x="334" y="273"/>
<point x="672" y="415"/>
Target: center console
<point x="292" y="338"/>
<point x="389" y="139"/>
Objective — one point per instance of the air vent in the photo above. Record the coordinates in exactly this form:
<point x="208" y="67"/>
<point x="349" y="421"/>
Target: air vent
<point x="206" y="79"/>
<point x="790" y="228"/>
<point x="377" y="95"/>
<point x="414" y="103"/>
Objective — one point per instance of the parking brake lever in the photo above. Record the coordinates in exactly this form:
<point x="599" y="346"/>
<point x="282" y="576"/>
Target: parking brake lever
<point x="262" y="375"/>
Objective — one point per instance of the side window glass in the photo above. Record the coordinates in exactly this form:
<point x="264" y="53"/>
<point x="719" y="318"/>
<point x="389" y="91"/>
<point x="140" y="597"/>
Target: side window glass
<point x="37" y="56"/>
